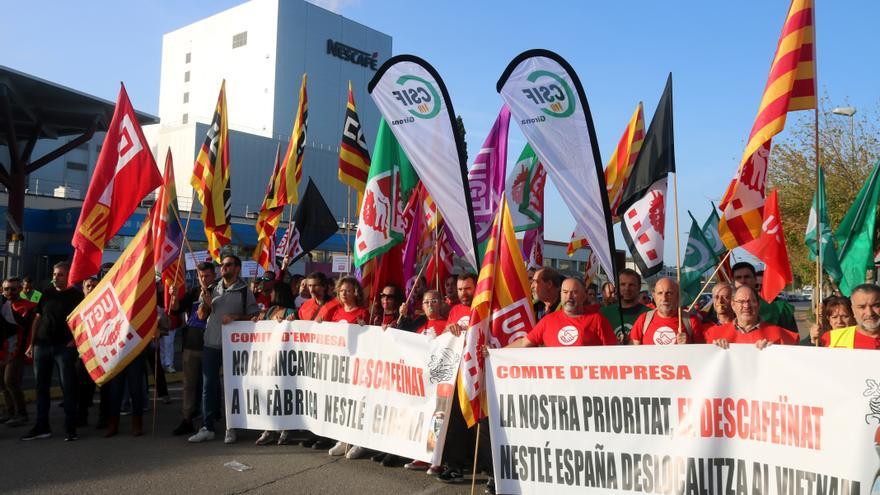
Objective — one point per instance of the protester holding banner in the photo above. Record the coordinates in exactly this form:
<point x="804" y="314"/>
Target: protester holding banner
<point x="836" y="313"/>
<point x="227" y="301"/>
<point x="777" y="312"/>
<point x="572" y="325"/>
<point x="350" y="307"/>
<point x="434" y="324"/>
<point x="866" y="333"/>
<point x="748" y="328"/>
<point x="52" y="344"/>
<point x="317" y="285"/>
<point x="389" y="300"/>
<point x="192" y="343"/>
<point x="460" y="315"/>
<point x="627" y="309"/>
<point x="668" y="324"/>
<point x="450" y="297"/>
<point x="722" y="310"/>
<point x="546" y="283"/>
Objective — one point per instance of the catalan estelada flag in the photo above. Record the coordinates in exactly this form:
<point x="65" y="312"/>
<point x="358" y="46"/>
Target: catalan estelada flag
<point x="619" y="167"/>
<point x="354" y="159"/>
<point x="114" y="323"/>
<point x="290" y="174"/>
<point x="210" y="179"/>
<point x="791" y="86"/>
<point x="267" y="222"/>
<point x="502" y="301"/>
<point x="168" y="236"/>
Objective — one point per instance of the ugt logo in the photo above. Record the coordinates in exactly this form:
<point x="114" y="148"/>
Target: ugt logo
<point x="420" y="94"/>
<point x="551" y="93"/>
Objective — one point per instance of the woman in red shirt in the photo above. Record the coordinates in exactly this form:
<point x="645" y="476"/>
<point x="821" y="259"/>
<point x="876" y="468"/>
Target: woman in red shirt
<point x="351" y="308"/>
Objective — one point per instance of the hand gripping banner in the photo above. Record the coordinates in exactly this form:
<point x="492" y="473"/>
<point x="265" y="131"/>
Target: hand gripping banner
<point x="548" y="102"/>
<point x="413" y="100"/>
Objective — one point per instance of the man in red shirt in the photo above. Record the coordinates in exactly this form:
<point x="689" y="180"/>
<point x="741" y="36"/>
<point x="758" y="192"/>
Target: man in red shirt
<point x="459" y="317"/>
<point x="434" y="324"/>
<point x="661" y="326"/>
<point x="572" y="325"/>
<point x="317" y="284"/>
<point x="747" y="327"/>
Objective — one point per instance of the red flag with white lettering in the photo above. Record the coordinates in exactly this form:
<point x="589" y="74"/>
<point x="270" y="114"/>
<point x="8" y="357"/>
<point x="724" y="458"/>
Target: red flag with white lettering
<point x="771" y="249"/>
<point x="124" y="174"/>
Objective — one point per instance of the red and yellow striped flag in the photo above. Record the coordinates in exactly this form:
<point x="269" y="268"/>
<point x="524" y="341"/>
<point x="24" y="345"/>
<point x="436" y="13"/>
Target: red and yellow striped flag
<point x="576" y="242"/>
<point x="288" y="179"/>
<point x="619" y="168"/>
<point x="502" y="300"/>
<point x="118" y="319"/>
<point x="791" y="86"/>
<point x="210" y="179"/>
<point x="354" y="159"/>
<point x="267" y="222"/>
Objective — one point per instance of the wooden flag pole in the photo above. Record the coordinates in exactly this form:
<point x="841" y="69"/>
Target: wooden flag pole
<point x="474" y="472"/>
<point x="817" y="290"/>
<point x="412" y="289"/>
<point x="703" y="288"/>
<point x="677" y="244"/>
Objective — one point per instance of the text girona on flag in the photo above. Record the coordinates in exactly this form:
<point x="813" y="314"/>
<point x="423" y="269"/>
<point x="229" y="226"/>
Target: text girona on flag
<point x="114" y="323"/>
<point x="501" y="312"/>
<point x="124" y="174"/>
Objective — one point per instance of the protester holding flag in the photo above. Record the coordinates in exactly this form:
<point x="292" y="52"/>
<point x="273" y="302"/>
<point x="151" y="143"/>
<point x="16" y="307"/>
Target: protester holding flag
<point x="722" y="310"/>
<point x="836" y="313"/>
<point x="748" y="328"/>
<point x="624" y="313"/>
<point x="778" y="312"/>
<point x="668" y="324"/>
<point x="389" y="301"/>
<point x="866" y="333"/>
<point x="193" y="343"/>
<point x="227" y="301"/>
<point x="52" y="344"/>
<point x="570" y="326"/>
<point x="545" y="286"/>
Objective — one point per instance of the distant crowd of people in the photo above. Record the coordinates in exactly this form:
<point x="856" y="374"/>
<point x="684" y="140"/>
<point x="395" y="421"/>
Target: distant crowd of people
<point x="568" y="313"/>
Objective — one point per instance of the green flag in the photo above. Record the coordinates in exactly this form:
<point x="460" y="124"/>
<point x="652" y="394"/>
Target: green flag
<point x="710" y="232"/>
<point x="699" y="257"/>
<point x="391" y="180"/>
<point x="855" y="235"/>
<point x="828" y="255"/>
<point x="525" y="191"/>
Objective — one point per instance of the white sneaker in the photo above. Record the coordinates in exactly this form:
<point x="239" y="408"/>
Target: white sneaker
<point x="203" y="435"/>
<point x="230" y="436"/>
<point x="356" y="452"/>
<point x="338" y="449"/>
<point x="266" y="438"/>
<point x="283" y="437"/>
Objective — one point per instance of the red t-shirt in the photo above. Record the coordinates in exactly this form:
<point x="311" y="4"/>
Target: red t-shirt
<point x="662" y="330"/>
<point x="728" y="331"/>
<point x="460" y="314"/>
<point x="860" y="341"/>
<point x="310" y="309"/>
<point x="338" y="313"/>
<point x="434" y="328"/>
<point x="557" y="329"/>
<point x="384" y="319"/>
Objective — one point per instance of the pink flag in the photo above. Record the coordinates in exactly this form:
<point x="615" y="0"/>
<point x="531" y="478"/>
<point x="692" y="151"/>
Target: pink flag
<point x="486" y="177"/>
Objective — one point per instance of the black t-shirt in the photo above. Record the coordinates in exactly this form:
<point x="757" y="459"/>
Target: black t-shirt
<point x="193" y="336"/>
<point x="53" y="308"/>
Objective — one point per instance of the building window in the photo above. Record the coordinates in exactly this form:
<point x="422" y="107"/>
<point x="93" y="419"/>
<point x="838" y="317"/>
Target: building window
<point x="188" y="57"/>
<point x="185" y="118"/>
<point x="239" y="39"/>
<point x="76" y="166"/>
<point x="186" y="97"/>
<point x="186" y="76"/>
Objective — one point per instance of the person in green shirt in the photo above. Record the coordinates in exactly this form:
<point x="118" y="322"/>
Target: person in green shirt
<point x="628" y="308"/>
<point x="28" y="293"/>
<point x="778" y="312"/>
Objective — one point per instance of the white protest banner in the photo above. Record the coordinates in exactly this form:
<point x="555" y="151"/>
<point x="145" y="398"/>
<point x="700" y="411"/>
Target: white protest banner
<point x="692" y="419"/>
<point x="194" y="258"/>
<point x="386" y="390"/>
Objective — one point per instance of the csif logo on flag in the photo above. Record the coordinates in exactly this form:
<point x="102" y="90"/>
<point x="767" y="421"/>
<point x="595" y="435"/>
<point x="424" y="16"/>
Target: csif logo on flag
<point x="418" y="97"/>
<point x="551" y="93"/>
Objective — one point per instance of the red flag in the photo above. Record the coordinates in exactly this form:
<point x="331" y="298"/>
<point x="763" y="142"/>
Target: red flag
<point x="771" y="249"/>
<point x="124" y="174"/>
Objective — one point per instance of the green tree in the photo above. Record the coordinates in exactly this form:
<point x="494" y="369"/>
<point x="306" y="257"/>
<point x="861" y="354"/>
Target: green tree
<point x="848" y="150"/>
<point x="460" y="128"/>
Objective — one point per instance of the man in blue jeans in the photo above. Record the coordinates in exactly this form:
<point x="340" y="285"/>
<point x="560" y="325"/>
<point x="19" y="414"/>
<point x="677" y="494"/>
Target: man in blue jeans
<point x="227" y="301"/>
<point x="52" y="345"/>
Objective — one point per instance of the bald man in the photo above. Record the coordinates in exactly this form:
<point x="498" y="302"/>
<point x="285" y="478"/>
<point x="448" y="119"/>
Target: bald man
<point x="747" y="328"/>
<point x="572" y="325"/>
<point x="661" y="326"/>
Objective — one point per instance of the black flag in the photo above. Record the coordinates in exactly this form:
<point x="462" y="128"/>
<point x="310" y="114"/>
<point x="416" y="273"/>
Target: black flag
<point x="643" y="204"/>
<point x="657" y="156"/>
<point x="312" y="224"/>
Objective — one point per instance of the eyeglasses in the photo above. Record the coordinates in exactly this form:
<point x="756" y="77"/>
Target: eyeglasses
<point x="743" y="302"/>
<point x="386" y="296"/>
<point x="430" y="301"/>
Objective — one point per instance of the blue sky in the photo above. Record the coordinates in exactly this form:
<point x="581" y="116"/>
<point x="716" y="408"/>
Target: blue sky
<point x="719" y="54"/>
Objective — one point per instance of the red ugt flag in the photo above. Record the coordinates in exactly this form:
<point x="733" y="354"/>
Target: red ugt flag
<point x="771" y="249"/>
<point x="124" y="174"/>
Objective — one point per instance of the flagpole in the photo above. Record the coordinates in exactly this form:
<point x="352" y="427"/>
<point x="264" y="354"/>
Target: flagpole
<point x="709" y="280"/>
<point x="474" y="472"/>
<point x="348" y="233"/>
<point x="817" y="292"/>
<point x="677" y="244"/>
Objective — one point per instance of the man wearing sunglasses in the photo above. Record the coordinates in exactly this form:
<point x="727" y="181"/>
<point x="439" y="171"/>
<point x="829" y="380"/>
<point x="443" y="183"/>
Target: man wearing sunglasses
<point x="227" y="301"/>
<point x="21" y="313"/>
